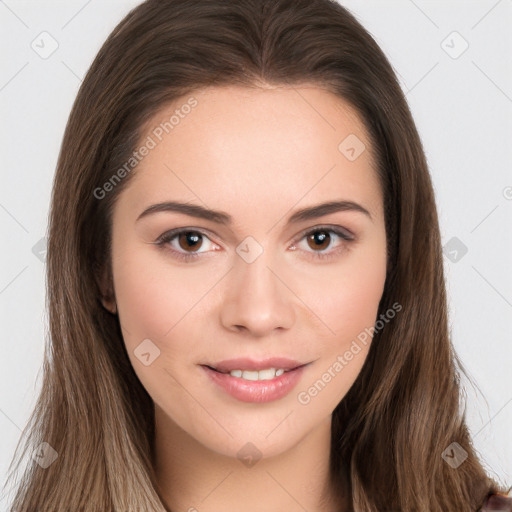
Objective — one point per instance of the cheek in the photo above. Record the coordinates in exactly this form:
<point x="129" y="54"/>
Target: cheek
<point x="153" y="297"/>
<point x="347" y="308"/>
<point x="345" y="297"/>
<point x="156" y="303"/>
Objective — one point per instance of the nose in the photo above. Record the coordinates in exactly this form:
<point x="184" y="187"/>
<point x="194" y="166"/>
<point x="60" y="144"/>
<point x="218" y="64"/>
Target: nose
<point x="257" y="298"/>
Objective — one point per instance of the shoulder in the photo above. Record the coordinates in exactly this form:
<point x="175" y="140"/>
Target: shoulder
<point x="497" y="503"/>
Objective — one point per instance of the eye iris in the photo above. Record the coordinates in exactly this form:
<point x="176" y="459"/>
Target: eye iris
<point x="321" y="237"/>
<point x="190" y="237"/>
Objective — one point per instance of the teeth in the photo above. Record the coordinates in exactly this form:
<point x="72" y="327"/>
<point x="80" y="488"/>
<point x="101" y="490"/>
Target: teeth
<point x="268" y="374"/>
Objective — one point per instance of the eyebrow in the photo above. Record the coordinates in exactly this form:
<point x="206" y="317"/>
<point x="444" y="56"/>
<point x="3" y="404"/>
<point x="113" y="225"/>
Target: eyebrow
<point x="220" y="217"/>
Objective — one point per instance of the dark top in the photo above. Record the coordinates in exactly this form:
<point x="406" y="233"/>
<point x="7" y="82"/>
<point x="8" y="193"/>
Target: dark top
<point x="497" y="503"/>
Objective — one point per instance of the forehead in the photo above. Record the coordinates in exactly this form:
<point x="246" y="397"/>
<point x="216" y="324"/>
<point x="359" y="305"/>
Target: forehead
<point x="254" y="146"/>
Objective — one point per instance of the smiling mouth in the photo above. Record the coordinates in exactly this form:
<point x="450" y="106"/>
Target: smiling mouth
<point x="257" y="386"/>
<point x="254" y="375"/>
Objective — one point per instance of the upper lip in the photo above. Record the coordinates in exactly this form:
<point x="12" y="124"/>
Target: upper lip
<point x="245" y="363"/>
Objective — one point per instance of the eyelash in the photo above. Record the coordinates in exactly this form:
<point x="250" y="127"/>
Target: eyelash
<point x="169" y="236"/>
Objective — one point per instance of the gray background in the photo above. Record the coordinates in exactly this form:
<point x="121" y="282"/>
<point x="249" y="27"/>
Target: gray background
<point x="461" y="99"/>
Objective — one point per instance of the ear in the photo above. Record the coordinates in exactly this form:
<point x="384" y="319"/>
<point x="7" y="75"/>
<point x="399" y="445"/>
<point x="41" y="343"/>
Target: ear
<point x="109" y="305"/>
<point x="106" y="287"/>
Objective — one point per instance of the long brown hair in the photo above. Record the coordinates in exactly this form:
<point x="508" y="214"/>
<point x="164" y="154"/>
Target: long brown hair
<point x="389" y="432"/>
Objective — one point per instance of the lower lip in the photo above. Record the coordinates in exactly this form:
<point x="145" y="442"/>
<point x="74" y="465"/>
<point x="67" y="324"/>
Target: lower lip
<point x="256" y="390"/>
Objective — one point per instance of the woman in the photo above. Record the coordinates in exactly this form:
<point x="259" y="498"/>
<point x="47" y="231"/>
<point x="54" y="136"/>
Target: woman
<point x="245" y="279"/>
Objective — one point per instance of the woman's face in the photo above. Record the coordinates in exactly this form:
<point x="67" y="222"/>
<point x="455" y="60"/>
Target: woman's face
<point x="258" y="281"/>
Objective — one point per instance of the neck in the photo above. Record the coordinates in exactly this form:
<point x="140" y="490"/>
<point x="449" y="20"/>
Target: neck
<point x="193" y="478"/>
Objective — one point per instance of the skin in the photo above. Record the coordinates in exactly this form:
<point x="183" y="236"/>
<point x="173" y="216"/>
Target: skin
<point x="258" y="155"/>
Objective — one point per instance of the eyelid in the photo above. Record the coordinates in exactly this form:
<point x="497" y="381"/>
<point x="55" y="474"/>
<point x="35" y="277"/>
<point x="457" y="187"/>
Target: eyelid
<point x="343" y="232"/>
<point x="172" y="233"/>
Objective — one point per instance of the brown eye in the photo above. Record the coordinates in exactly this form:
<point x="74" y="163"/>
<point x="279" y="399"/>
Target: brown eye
<point x="190" y="240"/>
<point x="319" y="240"/>
<point x="186" y="244"/>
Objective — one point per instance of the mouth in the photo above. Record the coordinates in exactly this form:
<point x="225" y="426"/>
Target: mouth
<point x="265" y="374"/>
<point x="250" y="369"/>
<point x="265" y="385"/>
